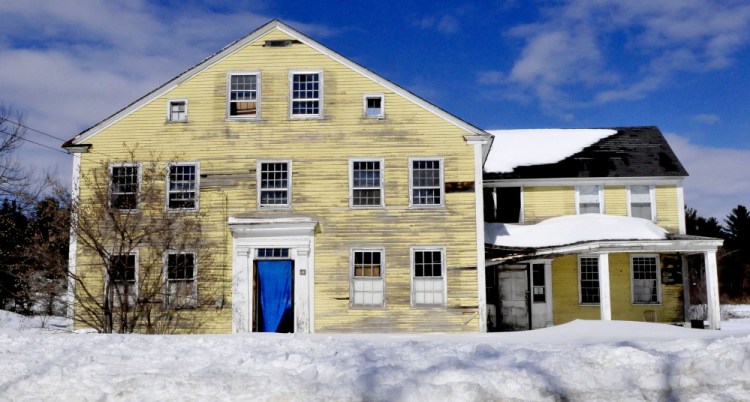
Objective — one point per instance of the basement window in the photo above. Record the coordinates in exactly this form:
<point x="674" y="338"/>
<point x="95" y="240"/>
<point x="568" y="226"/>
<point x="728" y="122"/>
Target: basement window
<point x="374" y="106"/>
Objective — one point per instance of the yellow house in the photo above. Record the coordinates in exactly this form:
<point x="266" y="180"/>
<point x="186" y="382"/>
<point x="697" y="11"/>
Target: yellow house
<point x="588" y="224"/>
<point x="333" y="199"/>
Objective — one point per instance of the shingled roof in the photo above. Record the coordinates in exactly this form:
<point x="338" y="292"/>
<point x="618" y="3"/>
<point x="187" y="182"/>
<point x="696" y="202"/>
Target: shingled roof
<point x="631" y="152"/>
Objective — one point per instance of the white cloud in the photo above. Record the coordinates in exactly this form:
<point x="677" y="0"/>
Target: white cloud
<point x="717" y="183"/>
<point x="446" y="24"/>
<point x="707" y="118"/>
<point x="568" y="58"/>
<point x="68" y="64"/>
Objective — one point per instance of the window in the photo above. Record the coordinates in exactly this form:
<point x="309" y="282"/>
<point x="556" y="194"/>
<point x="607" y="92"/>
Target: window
<point x="177" y="110"/>
<point x="428" y="281"/>
<point x="645" y="271"/>
<point x="366" y="183"/>
<point x="305" y="94"/>
<point x="588" y="275"/>
<point x="244" y="95"/>
<point x="274" y="184"/>
<point x="367" y="278"/>
<point x="122" y="271"/>
<point x="125" y="179"/>
<point x="589" y="199"/>
<point x="374" y="106"/>
<point x="183" y="186"/>
<point x="508" y="201"/>
<point x="182" y="291"/>
<point x="273" y="253"/>
<point x="538" y="285"/>
<point x="426" y="184"/>
<point x="640" y="203"/>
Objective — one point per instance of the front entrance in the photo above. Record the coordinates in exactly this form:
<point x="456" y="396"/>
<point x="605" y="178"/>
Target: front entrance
<point x="273" y="290"/>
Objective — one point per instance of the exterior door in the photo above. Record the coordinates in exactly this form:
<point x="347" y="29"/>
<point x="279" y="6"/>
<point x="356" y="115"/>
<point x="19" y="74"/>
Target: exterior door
<point x="274" y="295"/>
<point x="514" y="297"/>
<point x="541" y="298"/>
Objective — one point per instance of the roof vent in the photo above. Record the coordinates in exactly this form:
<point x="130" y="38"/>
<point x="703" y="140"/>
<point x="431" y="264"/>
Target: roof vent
<point x="278" y="43"/>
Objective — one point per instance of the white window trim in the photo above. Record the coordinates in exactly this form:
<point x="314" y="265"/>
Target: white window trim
<point x="658" y="279"/>
<point x="138" y="191"/>
<point x="288" y="204"/>
<point x="652" y="199"/>
<point x="351" y="183"/>
<point x="197" y="186"/>
<point x="137" y="273"/>
<point x="442" y="182"/>
<point x="320" y="114"/>
<point x="600" y="188"/>
<point x="365" y="97"/>
<point x="353" y="250"/>
<point x="258" y="81"/>
<point x="580" y="295"/>
<point x="169" y="110"/>
<point x="165" y="277"/>
<point x="441" y="249"/>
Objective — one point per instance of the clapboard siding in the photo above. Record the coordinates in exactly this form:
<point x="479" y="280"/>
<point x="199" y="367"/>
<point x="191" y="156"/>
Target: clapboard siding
<point x="319" y="149"/>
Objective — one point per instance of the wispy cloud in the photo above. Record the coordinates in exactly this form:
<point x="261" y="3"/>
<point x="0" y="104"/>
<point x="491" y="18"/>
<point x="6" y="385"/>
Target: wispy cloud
<point x="715" y="183"/>
<point x="707" y="118"/>
<point x="446" y="24"/>
<point x="69" y="63"/>
<point x="574" y="56"/>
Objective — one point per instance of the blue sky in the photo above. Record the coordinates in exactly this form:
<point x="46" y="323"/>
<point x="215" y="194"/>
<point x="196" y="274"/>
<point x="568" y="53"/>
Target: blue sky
<point x="682" y="65"/>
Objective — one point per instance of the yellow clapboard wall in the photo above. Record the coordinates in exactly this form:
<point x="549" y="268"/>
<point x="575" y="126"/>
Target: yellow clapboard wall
<point x="228" y="152"/>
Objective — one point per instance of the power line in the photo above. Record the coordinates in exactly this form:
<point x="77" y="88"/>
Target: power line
<point x="35" y="143"/>
<point x="33" y="129"/>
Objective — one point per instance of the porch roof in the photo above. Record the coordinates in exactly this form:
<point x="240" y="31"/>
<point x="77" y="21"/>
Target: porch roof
<point x="589" y="233"/>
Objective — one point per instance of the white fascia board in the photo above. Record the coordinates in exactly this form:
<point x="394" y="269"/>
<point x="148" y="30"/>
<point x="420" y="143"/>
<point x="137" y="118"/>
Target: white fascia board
<point x="252" y="37"/>
<point x="577" y="181"/>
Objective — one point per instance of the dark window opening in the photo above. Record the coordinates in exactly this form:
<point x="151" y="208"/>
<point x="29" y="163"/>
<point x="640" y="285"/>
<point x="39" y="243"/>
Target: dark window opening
<point x="508" y="204"/>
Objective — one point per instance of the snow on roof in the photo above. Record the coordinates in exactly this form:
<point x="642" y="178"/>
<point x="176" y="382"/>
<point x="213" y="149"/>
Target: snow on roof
<point x="572" y="229"/>
<point x="513" y="148"/>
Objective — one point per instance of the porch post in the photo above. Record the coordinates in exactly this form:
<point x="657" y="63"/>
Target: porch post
<point x="605" y="305"/>
<point x="712" y="290"/>
<point x="686" y="290"/>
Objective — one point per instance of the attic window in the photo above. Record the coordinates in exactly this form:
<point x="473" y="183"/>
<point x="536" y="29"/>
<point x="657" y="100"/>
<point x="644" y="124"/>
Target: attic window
<point x="374" y="105"/>
<point x="177" y="110"/>
<point x="278" y="43"/>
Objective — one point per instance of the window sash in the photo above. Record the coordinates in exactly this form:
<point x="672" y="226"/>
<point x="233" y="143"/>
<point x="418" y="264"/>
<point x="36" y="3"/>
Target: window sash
<point x="367" y="183"/>
<point x="124" y="187"/>
<point x="123" y="289"/>
<point x="640" y="202"/>
<point x="426" y="182"/>
<point x="589" y="200"/>
<point x="243" y="95"/>
<point x="305" y="94"/>
<point x="374" y="106"/>
<point x="183" y="186"/>
<point x="181" y="284"/>
<point x="177" y="111"/>
<point x="368" y="282"/>
<point x="274" y="184"/>
<point x="588" y="271"/>
<point x="645" y="271"/>
<point x="428" y="280"/>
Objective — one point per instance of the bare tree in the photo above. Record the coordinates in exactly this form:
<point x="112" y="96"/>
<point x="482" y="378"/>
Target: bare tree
<point x="12" y="175"/>
<point x="141" y="267"/>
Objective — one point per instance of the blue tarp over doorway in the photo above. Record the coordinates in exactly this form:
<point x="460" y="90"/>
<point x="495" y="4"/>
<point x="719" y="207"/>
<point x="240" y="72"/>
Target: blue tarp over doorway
<point x="275" y="279"/>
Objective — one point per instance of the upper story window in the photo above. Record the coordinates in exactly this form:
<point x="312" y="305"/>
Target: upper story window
<point x="426" y="184"/>
<point x="181" y="285"/>
<point x="588" y="280"/>
<point x="645" y="271"/>
<point x="428" y="281"/>
<point x="589" y="199"/>
<point x="374" y="106"/>
<point x="366" y="183"/>
<point x="243" y="95"/>
<point x="641" y="204"/>
<point x="306" y="94"/>
<point x="274" y="184"/>
<point x="122" y="269"/>
<point x="182" y="186"/>
<point x="177" y="110"/>
<point x="368" y="279"/>
<point x="124" y="186"/>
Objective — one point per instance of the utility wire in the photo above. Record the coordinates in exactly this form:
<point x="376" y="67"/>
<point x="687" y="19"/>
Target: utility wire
<point x="32" y="129"/>
<point x="35" y="143"/>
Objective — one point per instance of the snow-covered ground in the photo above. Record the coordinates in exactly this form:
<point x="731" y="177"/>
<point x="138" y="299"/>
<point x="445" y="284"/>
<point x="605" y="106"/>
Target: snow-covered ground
<point x="582" y="360"/>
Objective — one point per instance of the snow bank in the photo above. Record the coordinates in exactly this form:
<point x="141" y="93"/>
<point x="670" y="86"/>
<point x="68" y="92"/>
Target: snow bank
<point x="571" y="229"/>
<point x="582" y="360"/>
<point x="12" y="322"/>
<point x="513" y="148"/>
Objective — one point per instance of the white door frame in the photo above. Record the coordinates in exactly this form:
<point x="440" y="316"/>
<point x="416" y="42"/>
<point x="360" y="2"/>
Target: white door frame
<point x="251" y="234"/>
